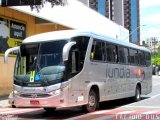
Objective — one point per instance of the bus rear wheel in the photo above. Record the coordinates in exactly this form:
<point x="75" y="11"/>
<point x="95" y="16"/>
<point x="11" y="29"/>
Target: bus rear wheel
<point x="92" y="102"/>
<point x="137" y="96"/>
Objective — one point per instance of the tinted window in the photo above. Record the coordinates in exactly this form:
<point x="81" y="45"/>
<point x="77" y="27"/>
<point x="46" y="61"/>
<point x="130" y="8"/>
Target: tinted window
<point x="141" y="58"/>
<point x="111" y="51"/>
<point x="133" y="56"/>
<point x="77" y="55"/>
<point x="126" y="54"/>
<point x="97" y="52"/>
<point x="148" y="59"/>
<point x="121" y="54"/>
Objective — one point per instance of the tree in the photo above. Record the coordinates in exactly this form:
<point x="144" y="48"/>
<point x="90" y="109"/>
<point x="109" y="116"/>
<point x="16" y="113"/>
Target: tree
<point x="156" y="57"/>
<point x="53" y="3"/>
<point x="35" y="4"/>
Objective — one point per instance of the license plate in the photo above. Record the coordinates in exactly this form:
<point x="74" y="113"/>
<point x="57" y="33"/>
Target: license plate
<point x="34" y="102"/>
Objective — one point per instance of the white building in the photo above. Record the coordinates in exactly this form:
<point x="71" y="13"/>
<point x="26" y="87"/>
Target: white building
<point x="152" y="42"/>
<point x="122" y="12"/>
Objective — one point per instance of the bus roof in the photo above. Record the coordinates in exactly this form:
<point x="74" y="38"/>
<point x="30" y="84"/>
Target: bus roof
<point x="67" y="34"/>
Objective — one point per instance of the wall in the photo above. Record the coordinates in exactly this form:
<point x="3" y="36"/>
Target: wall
<point x="6" y="75"/>
<point x="118" y="12"/>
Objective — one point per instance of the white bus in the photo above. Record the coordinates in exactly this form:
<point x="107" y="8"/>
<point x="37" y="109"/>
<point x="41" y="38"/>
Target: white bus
<point x="74" y="68"/>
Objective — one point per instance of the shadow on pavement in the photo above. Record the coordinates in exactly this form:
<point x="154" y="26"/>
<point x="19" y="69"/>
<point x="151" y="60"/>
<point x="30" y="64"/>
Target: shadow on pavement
<point x="75" y="111"/>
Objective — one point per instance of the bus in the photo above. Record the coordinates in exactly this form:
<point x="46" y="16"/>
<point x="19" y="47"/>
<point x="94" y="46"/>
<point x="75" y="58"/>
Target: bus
<point x="78" y="68"/>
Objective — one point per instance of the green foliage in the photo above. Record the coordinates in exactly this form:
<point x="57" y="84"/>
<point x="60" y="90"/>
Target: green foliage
<point x="156" y="57"/>
<point x="158" y="52"/>
<point x="53" y="3"/>
<point x="156" y="61"/>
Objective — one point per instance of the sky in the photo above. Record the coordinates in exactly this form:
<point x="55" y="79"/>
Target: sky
<point x="150" y="18"/>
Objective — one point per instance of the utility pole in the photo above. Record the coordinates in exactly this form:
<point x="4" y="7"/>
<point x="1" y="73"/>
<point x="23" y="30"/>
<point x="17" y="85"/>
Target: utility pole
<point x="134" y="31"/>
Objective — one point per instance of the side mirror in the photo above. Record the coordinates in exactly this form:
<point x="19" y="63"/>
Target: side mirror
<point x="66" y="50"/>
<point x="15" y="49"/>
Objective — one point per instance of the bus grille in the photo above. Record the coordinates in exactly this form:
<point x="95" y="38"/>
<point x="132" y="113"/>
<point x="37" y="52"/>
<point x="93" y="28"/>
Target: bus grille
<point x="33" y="95"/>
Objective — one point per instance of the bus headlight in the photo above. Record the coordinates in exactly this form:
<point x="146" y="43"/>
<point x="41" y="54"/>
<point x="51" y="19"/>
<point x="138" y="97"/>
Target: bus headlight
<point x="15" y="92"/>
<point x="56" y="92"/>
<point x="59" y="91"/>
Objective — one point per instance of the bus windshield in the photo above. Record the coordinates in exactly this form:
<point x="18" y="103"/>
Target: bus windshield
<point x="40" y="64"/>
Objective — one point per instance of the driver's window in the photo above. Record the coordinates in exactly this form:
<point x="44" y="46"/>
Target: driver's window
<point x="77" y="55"/>
<point x="75" y="61"/>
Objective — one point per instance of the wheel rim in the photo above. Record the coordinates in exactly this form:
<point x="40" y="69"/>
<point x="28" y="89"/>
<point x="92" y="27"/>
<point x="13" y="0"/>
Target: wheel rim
<point x="92" y="100"/>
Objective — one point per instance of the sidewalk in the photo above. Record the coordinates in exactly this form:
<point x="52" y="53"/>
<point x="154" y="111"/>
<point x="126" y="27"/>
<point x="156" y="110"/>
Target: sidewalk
<point x="4" y="101"/>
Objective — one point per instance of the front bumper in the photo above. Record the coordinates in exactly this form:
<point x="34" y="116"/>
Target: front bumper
<point x="56" y="101"/>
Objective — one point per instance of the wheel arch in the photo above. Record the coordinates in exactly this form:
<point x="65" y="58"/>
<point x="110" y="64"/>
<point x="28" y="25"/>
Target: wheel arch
<point x="87" y="107"/>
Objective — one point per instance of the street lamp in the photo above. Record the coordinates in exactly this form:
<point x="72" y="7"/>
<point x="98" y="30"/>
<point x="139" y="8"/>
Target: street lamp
<point x="134" y="31"/>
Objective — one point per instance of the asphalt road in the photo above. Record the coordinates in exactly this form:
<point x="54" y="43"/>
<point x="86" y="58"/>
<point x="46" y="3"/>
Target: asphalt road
<point x="146" y="109"/>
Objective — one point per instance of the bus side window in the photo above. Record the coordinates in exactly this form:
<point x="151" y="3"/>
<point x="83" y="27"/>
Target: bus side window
<point x="137" y="60"/>
<point x="141" y="58"/>
<point x="126" y="53"/>
<point x="92" y="50"/>
<point x="108" y="52"/>
<point x="97" y="51"/>
<point x="133" y="57"/>
<point x="121" y="54"/>
<point x="148" y="58"/>
<point x="111" y="51"/>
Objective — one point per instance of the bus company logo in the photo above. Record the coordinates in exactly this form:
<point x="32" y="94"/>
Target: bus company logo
<point x="139" y="73"/>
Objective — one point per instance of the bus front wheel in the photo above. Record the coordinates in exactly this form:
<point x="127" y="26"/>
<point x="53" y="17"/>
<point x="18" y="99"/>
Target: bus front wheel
<point x="49" y="109"/>
<point x="92" y="102"/>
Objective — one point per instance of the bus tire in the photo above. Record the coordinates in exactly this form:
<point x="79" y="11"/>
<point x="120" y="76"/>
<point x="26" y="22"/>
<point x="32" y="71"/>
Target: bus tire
<point x="159" y="73"/>
<point x="92" y="102"/>
<point x="13" y="106"/>
<point x="49" y="109"/>
<point x="137" y="96"/>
